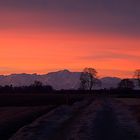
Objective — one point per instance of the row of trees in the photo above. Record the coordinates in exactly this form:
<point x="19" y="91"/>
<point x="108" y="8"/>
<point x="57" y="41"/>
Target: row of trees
<point x="128" y="83"/>
<point x="36" y="87"/>
<point x="89" y="79"/>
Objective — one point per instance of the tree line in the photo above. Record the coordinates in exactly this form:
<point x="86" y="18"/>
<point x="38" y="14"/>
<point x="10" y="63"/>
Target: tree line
<point x="36" y="87"/>
<point x="89" y="79"/>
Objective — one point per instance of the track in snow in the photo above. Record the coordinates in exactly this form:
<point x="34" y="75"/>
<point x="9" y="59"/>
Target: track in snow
<point x="100" y="119"/>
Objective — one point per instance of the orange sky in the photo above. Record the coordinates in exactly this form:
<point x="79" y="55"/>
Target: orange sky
<point x="39" y="37"/>
<point x="37" y="52"/>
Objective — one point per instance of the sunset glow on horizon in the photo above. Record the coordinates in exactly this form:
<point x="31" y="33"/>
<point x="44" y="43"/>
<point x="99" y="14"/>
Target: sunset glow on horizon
<point x="43" y="35"/>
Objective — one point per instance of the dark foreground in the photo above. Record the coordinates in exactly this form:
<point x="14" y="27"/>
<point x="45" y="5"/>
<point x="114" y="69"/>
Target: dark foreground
<point x="87" y="118"/>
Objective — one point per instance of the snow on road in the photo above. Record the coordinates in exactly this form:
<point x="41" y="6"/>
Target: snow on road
<point x="97" y="119"/>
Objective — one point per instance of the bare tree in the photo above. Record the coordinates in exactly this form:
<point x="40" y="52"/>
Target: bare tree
<point x="126" y="84"/>
<point x="88" y="79"/>
<point x="137" y="76"/>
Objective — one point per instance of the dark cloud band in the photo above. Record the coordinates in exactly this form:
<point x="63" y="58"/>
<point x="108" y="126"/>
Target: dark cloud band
<point x="121" y="16"/>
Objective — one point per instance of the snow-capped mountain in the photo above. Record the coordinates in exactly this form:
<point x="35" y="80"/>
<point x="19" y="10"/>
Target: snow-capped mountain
<point x="110" y="82"/>
<point x="63" y="79"/>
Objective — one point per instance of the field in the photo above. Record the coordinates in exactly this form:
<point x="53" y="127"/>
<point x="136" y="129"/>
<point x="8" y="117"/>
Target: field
<point x="68" y="116"/>
<point x="12" y="118"/>
<point x="134" y="106"/>
<point x="38" y="99"/>
<point x="17" y="110"/>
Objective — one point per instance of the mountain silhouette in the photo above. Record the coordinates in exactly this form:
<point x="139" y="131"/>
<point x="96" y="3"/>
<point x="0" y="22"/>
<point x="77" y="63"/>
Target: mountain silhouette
<point x="63" y="79"/>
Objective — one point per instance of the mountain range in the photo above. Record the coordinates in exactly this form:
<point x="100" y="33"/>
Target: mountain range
<point x="63" y="79"/>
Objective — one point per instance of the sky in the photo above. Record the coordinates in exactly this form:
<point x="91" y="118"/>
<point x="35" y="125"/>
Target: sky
<point x="39" y="36"/>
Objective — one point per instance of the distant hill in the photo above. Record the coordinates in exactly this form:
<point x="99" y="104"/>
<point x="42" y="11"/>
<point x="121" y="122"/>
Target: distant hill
<point x="63" y="79"/>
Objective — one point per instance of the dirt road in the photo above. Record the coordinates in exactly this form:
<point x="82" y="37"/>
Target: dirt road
<point x="97" y="119"/>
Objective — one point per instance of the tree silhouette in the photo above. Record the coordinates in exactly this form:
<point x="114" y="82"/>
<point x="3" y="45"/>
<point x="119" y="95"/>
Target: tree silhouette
<point x="126" y="84"/>
<point x="88" y="79"/>
<point x="137" y="76"/>
<point x="37" y="84"/>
